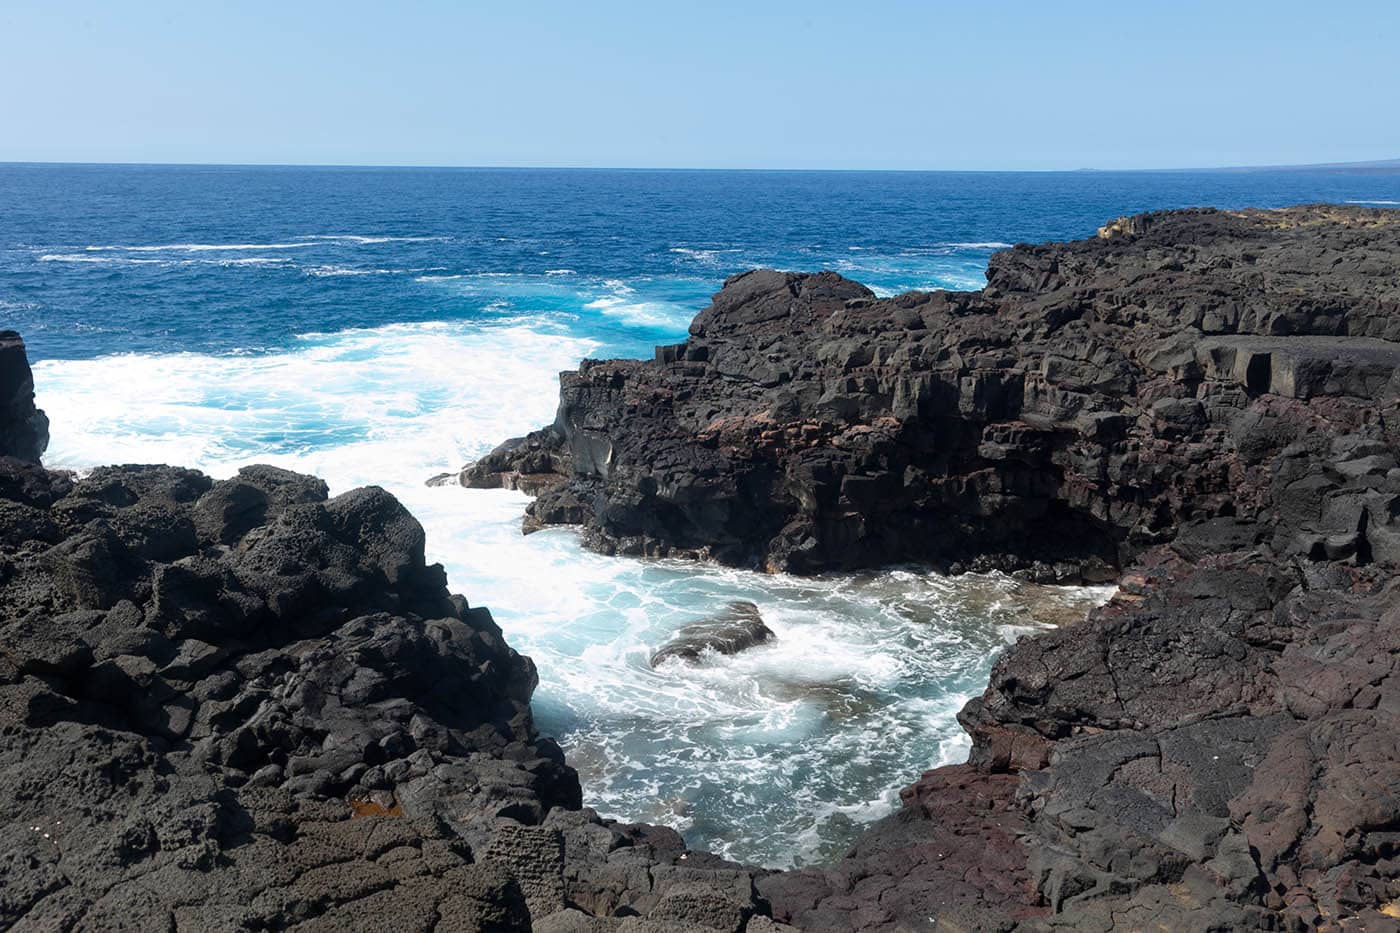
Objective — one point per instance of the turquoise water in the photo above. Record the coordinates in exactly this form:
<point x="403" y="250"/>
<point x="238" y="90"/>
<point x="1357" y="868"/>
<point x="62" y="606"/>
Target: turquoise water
<point x="381" y="326"/>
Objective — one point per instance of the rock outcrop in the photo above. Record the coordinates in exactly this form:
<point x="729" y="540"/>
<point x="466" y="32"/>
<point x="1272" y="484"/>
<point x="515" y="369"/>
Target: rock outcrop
<point x="1090" y="400"/>
<point x="247" y="705"/>
<point x="1204" y="405"/>
<point x="24" y="429"/>
<point x="737" y="628"/>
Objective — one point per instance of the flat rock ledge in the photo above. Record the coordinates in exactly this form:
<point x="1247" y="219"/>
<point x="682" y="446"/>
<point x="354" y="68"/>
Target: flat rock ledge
<point x="1202" y="405"/>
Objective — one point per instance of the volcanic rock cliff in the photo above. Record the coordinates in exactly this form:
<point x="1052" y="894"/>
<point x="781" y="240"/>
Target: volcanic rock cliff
<point x="1201" y="404"/>
<point x="1090" y="400"/>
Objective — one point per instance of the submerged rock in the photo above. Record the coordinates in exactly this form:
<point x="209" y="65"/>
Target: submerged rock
<point x="738" y="628"/>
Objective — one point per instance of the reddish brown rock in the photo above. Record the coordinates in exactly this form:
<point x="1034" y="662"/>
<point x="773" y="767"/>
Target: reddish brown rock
<point x="950" y="859"/>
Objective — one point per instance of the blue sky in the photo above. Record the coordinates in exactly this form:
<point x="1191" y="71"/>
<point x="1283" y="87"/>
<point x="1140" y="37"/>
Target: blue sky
<point x="815" y="84"/>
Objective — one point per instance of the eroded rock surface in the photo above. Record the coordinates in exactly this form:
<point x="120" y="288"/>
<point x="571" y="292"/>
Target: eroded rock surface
<point x="737" y="628"/>
<point x="1095" y="396"/>
<point x="247" y="705"/>
<point x="1204" y="405"/>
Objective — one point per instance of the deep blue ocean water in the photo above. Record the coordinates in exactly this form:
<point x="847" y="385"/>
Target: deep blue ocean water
<point x="383" y="325"/>
<point x="102" y="259"/>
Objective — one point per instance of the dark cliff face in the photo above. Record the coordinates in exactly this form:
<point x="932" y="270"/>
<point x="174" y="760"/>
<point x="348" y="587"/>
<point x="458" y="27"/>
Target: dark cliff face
<point x="1203" y="405"/>
<point x="24" y="430"/>
<point x="1091" y="399"/>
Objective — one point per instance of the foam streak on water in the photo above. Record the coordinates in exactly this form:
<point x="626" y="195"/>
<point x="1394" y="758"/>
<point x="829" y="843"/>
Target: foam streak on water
<point x="775" y="755"/>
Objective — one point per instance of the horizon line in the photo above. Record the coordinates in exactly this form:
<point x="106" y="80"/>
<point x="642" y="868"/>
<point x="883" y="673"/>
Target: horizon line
<point x="1366" y="166"/>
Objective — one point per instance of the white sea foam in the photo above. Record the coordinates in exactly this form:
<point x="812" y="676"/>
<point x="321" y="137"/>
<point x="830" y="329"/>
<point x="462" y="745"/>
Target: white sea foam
<point x="559" y="292"/>
<point x="194" y="247"/>
<point x="331" y="270"/>
<point x="892" y="275"/>
<point x="1374" y="201"/>
<point x="360" y="406"/>
<point x="108" y="260"/>
<point x="367" y="240"/>
<point x="985" y="244"/>
<point x="706" y="257"/>
<point x="644" y="313"/>
<point x="468" y="276"/>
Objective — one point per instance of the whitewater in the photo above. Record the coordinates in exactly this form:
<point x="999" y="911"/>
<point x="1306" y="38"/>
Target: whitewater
<point x="382" y="327"/>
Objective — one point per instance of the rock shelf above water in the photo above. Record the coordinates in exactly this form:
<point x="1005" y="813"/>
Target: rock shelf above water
<point x="1095" y="396"/>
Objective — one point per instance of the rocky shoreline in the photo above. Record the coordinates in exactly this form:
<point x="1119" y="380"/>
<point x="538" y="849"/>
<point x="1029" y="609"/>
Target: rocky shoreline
<point x="245" y="704"/>
<point x="1200" y="404"/>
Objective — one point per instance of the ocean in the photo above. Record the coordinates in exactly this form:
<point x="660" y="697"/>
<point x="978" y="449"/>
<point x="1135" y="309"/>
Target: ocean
<point x="385" y="325"/>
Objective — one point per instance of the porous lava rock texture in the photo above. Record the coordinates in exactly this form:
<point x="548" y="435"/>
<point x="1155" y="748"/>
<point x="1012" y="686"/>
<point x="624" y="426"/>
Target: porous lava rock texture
<point x="1095" y="396"/>
<point x="248" y="705"/>
<point x="1203" y="405"/>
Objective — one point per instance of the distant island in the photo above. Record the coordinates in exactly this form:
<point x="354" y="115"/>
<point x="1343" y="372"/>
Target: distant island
<point x="1376" y="167"/>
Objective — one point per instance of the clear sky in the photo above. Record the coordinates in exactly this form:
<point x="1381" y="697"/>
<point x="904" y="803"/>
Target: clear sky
<point x="756" y="84"/>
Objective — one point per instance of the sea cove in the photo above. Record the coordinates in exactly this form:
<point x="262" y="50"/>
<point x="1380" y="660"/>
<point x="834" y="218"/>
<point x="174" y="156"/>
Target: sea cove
<point x="378" y="327"/>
